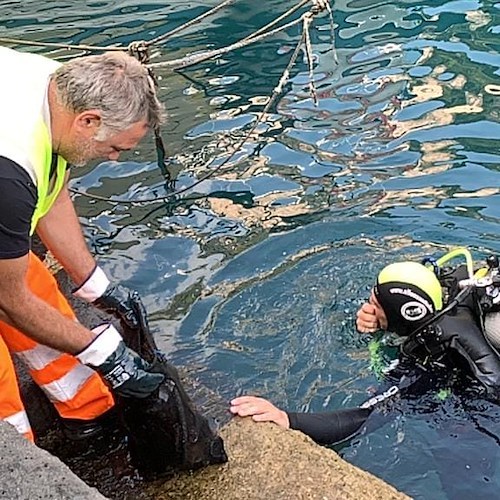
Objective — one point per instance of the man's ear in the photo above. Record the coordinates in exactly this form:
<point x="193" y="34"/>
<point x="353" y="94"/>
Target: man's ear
<point x="88" y="122"/>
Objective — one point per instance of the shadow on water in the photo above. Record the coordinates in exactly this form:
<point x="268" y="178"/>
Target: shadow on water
<point x="254" y="281"/>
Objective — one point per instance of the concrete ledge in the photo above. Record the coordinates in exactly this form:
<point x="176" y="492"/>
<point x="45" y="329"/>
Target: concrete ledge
<point x="30" y="473"/>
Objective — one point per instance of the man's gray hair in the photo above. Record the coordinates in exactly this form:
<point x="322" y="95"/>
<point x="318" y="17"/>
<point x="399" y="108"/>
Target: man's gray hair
<point x="114" y="83"/>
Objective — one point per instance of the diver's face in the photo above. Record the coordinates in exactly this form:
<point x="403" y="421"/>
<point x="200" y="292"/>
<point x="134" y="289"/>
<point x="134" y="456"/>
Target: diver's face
<point x="379" y="312"/>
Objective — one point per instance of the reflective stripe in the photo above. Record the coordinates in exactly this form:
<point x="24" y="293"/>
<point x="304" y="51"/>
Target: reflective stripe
<point x="39" y="357"/>
<point x="20" y="421"/>
<point x="67" y="387"/>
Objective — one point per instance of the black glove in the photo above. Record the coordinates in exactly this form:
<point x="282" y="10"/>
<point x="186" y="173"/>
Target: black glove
<point x="113" y="299"/>
<point x="118" y="301"/>
<point x="124" y="370"/>
<point x="126" y="373"/>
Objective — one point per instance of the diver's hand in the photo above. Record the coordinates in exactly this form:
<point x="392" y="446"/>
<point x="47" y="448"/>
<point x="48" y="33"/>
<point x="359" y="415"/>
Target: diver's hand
<point x="121" y="368"/>
<point x="260" y="409"/>
<point x="366" y="319"/>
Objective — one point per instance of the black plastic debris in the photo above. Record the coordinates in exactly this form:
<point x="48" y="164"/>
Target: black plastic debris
<point x="166" y="432"/>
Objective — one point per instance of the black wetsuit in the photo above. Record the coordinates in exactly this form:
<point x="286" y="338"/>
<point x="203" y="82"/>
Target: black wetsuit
<point x="455" y="342"/>
<point x="329" y="427"/>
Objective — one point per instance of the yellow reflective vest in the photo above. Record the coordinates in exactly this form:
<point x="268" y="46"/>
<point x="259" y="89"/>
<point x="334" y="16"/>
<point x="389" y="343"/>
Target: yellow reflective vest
<point x="25" y="136"/>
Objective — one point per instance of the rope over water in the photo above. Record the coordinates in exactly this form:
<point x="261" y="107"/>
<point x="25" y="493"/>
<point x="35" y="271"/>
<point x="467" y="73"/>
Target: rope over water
<point x="141" y="51"/>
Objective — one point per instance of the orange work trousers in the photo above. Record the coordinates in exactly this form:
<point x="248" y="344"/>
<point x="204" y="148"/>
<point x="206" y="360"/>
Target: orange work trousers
<point x="76" y="391"/>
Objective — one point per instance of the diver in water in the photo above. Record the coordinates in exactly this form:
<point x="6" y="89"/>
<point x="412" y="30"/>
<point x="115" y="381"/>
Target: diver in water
<point x="445" y="319"/>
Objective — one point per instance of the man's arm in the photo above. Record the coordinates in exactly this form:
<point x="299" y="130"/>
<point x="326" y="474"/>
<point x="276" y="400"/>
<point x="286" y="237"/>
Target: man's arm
<point x="32" y="316"/>
<point x="330" y="427"/>
<point x="102" y="348"/>
<point x="325" y="427"/>
<point x="61" y="233"/>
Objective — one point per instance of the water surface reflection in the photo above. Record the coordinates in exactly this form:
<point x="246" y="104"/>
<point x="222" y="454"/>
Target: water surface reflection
<point x="253" y="279"/>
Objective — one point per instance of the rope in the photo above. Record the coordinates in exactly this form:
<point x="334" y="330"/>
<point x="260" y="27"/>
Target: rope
<point x="262" y="33"/>
<point x="332" y="32"/>
<point x="190" y="23"/>
<point x="317" y="7"/>
<point x="277" y="20"/>
<point x="276" y="91"/>
<point x="310" y="57"/>
<point x="67" y="46"/>
<point x="140" y="50"/>
<point x="211" y="54"/>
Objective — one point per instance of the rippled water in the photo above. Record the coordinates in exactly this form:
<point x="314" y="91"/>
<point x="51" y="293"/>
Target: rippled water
<point x="254" y="279"/>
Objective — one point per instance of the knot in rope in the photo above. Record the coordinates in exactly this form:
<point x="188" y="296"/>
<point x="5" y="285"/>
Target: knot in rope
<point x="139" y="50"/>
<point x="319" y="6"/>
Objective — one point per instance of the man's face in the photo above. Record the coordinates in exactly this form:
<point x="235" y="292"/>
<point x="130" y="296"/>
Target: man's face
<point x="84" y="147"/>
<point x="379" y="312"/>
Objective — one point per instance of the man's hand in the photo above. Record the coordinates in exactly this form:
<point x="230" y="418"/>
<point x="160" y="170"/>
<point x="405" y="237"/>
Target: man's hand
<point x="366" y="319"/>
<point x="122" y="369"/>
<point x="260" y="409"/>
<point x="113" y="299"/>
<point x="118" y="301"/>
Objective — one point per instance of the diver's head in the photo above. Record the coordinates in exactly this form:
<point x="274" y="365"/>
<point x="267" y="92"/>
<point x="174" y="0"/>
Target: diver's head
<point x="409" y="293"/>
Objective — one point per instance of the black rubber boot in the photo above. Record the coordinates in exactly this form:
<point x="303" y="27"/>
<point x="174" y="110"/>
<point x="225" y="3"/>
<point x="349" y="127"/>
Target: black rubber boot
<point x="77" y="430"/>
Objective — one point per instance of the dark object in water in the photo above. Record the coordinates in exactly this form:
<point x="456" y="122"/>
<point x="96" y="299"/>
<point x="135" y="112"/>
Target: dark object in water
<point x="166" y="433"/>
